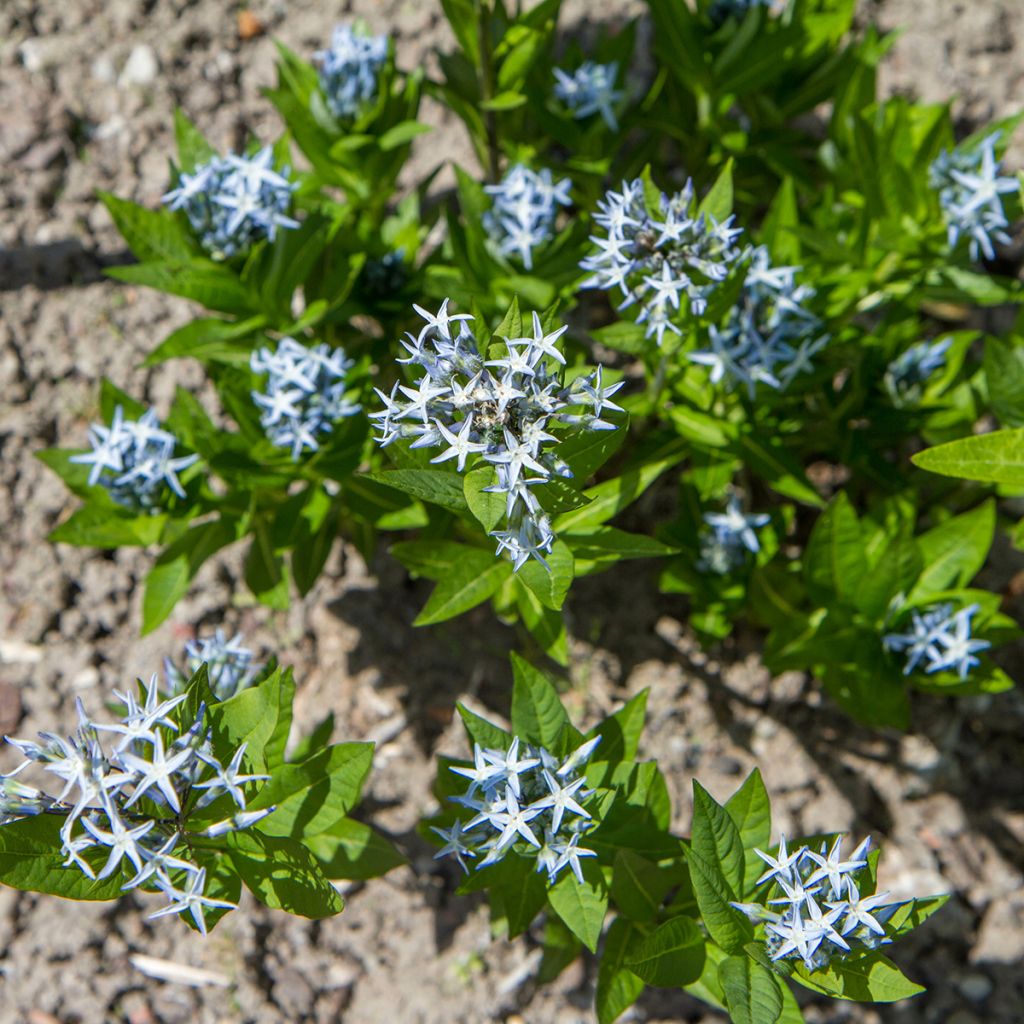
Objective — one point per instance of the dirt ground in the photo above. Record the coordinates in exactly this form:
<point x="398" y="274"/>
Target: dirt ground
<point x="87" y="88"/>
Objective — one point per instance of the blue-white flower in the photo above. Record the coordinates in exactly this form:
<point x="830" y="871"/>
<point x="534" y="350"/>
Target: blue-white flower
<point x="134" y="461"/>
<point x="108" y="797"/>
<point x="497" y="410"/>
<point x="821" y="913"/>
<point x="730" y="537"/>
<point x="970" y="193"/>
<point x="769" y="336"/>
<point x="660" y="260"/>
<point x="908" y="372"/>
<point x="521" y="804"/>
<point x="233" y="202"/>
<point x="522" y="217"/>
<point x="230" y="665"/>
<point x="939" y="637"/>
<point x="590" y="89"/>
<point x="350" y="70"/>
<point x="304" y="395"/>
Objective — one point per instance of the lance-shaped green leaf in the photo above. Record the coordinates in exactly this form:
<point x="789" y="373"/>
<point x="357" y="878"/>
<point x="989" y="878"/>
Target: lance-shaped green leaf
<point x="312" y="796"/>
<point x="475" y="576"/>
<point x="351" y="850"/>
<point x="753" y="994"/>
<point x="750" y="810"/>
<point x="433" y="485"/>
<point x="954" y="551"/>
<point x="537" y="713"/>
<point x="716" y="838"/>
<point x="672" y="956"/>
<point x="638" y="886"/>
<point x="618" y="988"/>
<point x="282" y="874"/>
<point x="869" y="978"/>
<point x="996" y="458"/>
<point x="726" y="925"/>
<point x="581" y="906"/>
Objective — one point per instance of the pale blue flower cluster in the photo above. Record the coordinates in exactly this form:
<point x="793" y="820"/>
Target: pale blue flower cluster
<point x="304" y="394"/>
<point x="499" y="409"/>
<point x="102" y="788"/>
<point x="528" y="801"/>
<point x="134" y="461"/>
<point x="724" y="546"/>
<point x="590" y="89"/>
<point x="941" y="638"/>
<point x="232" y="202"/>
<point x="523" y="215"/>
<point x="908" y="372"/>
<point x="770" y="336"/>
<point x="970" y="191"/>
<point x="659" y="260"/>
<point x="230" y="666"/>
<point x="350" y="70"/>
<point x="821" y="913"/>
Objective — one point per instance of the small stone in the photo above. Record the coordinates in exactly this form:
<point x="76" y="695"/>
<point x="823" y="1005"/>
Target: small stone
<point x="249" y="26"/>
<point x="141" y="68"/>
<point x="975" y="987"/>
<point x="103" y="69"/>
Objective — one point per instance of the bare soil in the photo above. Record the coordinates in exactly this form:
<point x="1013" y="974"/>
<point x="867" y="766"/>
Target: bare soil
<point x="87" y="88"/>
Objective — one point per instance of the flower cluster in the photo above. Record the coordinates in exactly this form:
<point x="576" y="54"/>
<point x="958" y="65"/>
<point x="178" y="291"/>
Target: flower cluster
<point x="908" y="372"/>
<point x="655" y="260"/>
<point x="134" y="461"/>
<point x="305" y="392"/>
<point x="499" y="409"/>
<point x="533" y="804"/>
<point x="129" y="803"/>
<point x="724" y="546"/>
<point x="232" y="202"/>
<point x="769" y="336"/>
<point x="590" y="89"/>
<point x="940" y="637"/>
<point x="822" y="914"/>
<point x="230" y="666"/>
<point x="350" y="69"/>
<point x="523" y="216"/>
<point x="969" y="189"/>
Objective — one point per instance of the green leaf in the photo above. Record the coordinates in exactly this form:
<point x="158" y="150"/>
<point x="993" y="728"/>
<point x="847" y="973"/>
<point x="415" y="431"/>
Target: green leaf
<point x="401" y="134"/>
<point x="433" y="485"/>
<point x="869" y="978"/>
<point x="312" y="796"/>
<point x="475" y="577"/>
<point x="546" y="625"/>
<point x="671" y="956"/>
<point x="99" y="527"/>
<point x="351" y="850"/>
<point x="777" y="228"/>
<point x="537" y="713"/>
<point x="604" y="546"/>
<point x="31" y="860"/>
<point x="717" y="204"/>
<point x="210" y="339"/>
<point x="618" y="988"/>
<point x="581" y="907"/>
<point x="638" y="886"/>
<point x="893" y="573"/>
<point x="611" y="497"/>
<point x="511" y="325"/>
<point x="177" y="566"/>
<point x="259" y="716"/>
<point x="834" y="560"/>
<point x="202" y="281"/>
<point x="716" y="838"/>
<point x="488" y="507"/>
<point x="620" y="733"/>
<point x="561" y="948"/>
<point x="150" y="234"/>
<point x="487" y="734"/>
<point x="996" y="458"/>
<point x="726" y="925"/>
<point x="954" y="551"/>
<point x="193" y="149"/>
<point x="282" y="874"/>
<point x="589" y="450"/>
<point x="549" y="584"/>
<point x="265" y="573"/>
<point x="753" y="994"/>
<point x="750" y="810"/>
<point x="781" y="470"/>
<point x="1004" y="370"/>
